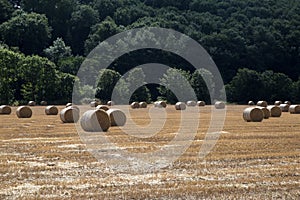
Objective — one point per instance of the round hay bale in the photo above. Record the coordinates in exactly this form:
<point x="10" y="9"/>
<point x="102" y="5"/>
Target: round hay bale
<point x="5" y="110"/>
<point x="277" y="103"/>
<point x="275" y="111"/>
<point x="69" y="115"/>
<point x="251" y="103"/>
<point x="102" y="107"/>
<point x="143" y="104"/>
<point x="180" y="106"/>
<point x="201" y="103"/>
<point x="253" y="114"/>
<point x="95" y="121"/>
<point x="31" y="103"/>
<point x="111" y="103"/>
<point x="94" y="104"/>
<point x="294" y="109"/>
<point x="43" y="103"/>
<point x="284" y="107"/>
<point x="262" y="104"/>
<point x="160" y="104"/>
<point x="68" y="105"/>
<point x="266" y="112"/>
<point x="191" y="103"/>
<point x="117" y="117"/>
<point x="24" y="112"/>
<point x="219" y="105"/>
<point x="51" y="110"/>
<point x="135" y="105"/>
<point x="288" y="102"/>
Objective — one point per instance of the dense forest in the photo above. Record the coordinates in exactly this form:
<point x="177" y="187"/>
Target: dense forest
<point x="255" y="44"/>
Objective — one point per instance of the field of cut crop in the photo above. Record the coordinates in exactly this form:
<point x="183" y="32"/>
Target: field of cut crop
<point x="42" y="158"/>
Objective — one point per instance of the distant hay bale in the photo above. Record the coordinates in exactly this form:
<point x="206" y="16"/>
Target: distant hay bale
<point x="201" y="103"/>
<point x="275" y="111"/>
<point x="277" y="103"/>
<point x="251" y="103"/>
<point x="262" y="104"/>
<point x="253" y="114"/>
<point x="160" y="104"/>
<point x="288" y="102"/>
<point x="102" y="107"/>
<point x="143" y="104"/>
<point x="5" y="110"/>
<point x="191" y="103"/>
<point x="110" y="103"/>
<point x="94" y="104"/>
<point x="117" y="117"/>
<point x="69" y="104"/>
<point x="95" y="121"/>
<point x="180" y="106"/>
<point x="219" y="105"/>
<point x="43" y="103"/>
<point x="69" y="115"/>
<point x="24" y="112"/>
<point x="51" y="110"/>
<point x="266" y="112"/>
<point x="294" y="109"/>
<point x="135" y="105"/>
<point x="284" y="107"/>
<point x="31" y="103"/>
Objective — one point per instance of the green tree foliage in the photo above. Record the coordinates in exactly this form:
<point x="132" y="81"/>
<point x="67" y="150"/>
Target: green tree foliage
<point x="6" y="10"/>
<point x="30" y="32"/>
<point x="58" y="50"/>
<point x="136" y="84"/>
<point x="83" y="18"/>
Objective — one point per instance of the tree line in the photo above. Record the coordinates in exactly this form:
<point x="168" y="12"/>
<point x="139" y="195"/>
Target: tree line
<point x="39" y="36"/>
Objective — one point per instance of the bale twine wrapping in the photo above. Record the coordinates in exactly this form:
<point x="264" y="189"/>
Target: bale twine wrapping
<point x="294" y="109"/>
<point x="191" y="103"/>
<point x="51" y="110"/>
<point x="117" y="117"/>
<point x="102" y="107"/>
<point x="135" y="105"/>
<point x="180" y="106"/>
<point x="288" y="102"/>
<point x="219" y="105"/>
<point x="251" y="103"/>
<point x="43" y="103"/>
<point x="253" y="114"/>
<point x="262" y="104"/>
<point x="31" y="103"/>
<point x="143" y="104"/>
<point x="5" y="110"/>
<point x="266" y="112"/>
<point x="275" y="111"/>
<point x="24" y="112"/>
<point x="201" y="103"/>
<point x="69" y="115"/>
<point x="160" y="104"/>
<point x="284" y="107"/>
<point x="95" y="121"/>
<point x="277" y="103"/>
<point x="110" y="103"/>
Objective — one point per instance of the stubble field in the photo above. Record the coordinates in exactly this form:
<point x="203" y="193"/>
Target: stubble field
<point x="42" y="158"/>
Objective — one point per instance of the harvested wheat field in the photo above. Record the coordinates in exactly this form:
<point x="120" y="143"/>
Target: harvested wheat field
<point x="42" y="158"/>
